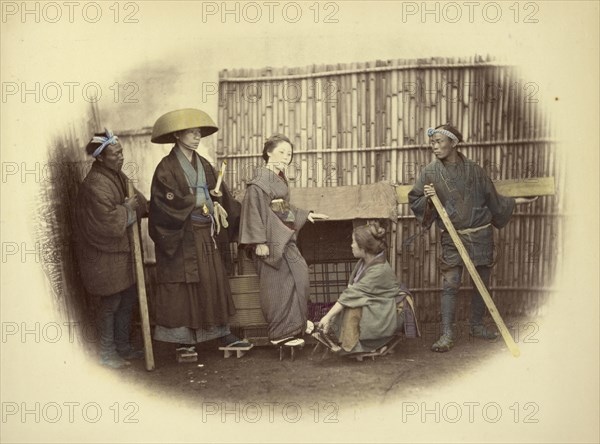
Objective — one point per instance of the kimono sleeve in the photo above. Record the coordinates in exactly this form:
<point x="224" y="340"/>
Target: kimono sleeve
<point x="500" y="206"/>
<point x="253" y="228"/>
<point x="143" y="205"/>
<point x="300" y="216"/>
<point x="356" y="295"/>
<point x="373" y="286"/>
<point x="227" y="201"/>
<point x="104" y="217"/>
<point x="234" y="210"/>
<point x="169" y="210"/>
<point x="420" y="205"/>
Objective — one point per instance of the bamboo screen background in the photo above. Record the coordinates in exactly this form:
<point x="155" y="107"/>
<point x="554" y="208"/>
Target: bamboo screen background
<point x="360" y="123"/>
<point x="355" y="124"/>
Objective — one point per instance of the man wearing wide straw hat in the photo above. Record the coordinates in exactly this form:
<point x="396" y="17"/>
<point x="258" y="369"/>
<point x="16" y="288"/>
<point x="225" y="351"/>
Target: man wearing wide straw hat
<point x="193" y="301"/>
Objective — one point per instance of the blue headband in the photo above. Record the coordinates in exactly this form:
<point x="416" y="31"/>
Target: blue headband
<point x="110" y="139"/>
<point x="432" y="131"/>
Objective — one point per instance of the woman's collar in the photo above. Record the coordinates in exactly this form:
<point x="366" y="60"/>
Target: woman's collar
<point x="377" y="259"/>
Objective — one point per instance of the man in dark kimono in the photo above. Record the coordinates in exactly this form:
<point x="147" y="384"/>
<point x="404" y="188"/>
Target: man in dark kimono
<point x="474" y="207"/>
<point x="193" y="299"/>
<point x="102" y="215"/>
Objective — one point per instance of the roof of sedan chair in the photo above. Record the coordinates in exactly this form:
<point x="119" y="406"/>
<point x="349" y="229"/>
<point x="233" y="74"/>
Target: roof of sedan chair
<point x="373" y="201"/>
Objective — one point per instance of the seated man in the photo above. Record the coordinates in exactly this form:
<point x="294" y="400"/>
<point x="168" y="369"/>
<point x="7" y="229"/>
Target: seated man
<point x="365" y="316"/>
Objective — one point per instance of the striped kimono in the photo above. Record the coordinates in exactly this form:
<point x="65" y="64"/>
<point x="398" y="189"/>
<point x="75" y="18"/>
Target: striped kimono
<point x="283" y="275"/>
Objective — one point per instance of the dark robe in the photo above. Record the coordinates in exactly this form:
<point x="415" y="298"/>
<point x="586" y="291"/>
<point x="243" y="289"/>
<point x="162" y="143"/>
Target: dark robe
<point x="283" y="275"/>
<point x="193" y="289"/>
<point x="471" y="201"/>
<point x="101" y="235"/>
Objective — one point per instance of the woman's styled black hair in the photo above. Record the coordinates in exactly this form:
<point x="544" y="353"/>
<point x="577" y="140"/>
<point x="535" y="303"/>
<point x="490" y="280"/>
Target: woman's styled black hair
<point x="272" y="142"/>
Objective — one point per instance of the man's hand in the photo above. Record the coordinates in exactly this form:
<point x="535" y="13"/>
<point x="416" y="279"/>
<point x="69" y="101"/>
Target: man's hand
<point x="132" y="202"/>
<point x="525" y="200"/>
<point x="314" y="216"/>
<point x="429" y="190"/>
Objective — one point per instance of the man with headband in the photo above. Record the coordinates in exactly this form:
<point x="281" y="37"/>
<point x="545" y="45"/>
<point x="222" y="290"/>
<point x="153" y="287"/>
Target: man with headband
<point x="474" y="207"/>
<point x="102" y="215"/>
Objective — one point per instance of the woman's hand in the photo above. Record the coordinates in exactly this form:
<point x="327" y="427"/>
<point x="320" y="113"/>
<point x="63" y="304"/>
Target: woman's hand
<point x="314" y="216"/>
<point x="325" y="324"/>
<point x="525" y="200"/>
<point x="262" y="250"/>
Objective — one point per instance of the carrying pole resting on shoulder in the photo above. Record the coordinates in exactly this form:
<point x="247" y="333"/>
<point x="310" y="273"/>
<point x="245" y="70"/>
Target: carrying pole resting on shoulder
<point x="141" y="287"/>
<point x="510" y="343"/>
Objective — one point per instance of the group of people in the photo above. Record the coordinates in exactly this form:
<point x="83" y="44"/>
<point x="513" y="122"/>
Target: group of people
<point x="192" y="225"/>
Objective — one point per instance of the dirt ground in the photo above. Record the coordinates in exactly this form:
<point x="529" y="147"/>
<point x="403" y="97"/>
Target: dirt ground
<point x="259" y="376"/>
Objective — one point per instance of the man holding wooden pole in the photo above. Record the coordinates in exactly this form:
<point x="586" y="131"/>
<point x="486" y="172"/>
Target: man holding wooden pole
<point x="472" y="206"/>
<point x="103" y="213"/>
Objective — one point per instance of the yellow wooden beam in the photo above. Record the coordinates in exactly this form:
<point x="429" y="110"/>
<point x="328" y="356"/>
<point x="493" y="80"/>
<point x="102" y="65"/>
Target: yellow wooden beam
<point x="141" y="286"/>
<point x="535" y="186"/>
<point x="510" y="343"/>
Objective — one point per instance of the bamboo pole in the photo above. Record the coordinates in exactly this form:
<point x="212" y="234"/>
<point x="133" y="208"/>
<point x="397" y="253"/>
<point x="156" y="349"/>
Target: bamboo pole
<point x="407" y="65"/>
<point x="510" y="343"/>
<point x="333" y="115"/>
<point x="454" y="102"/>
<point x="304" y="116"/>
<point x="318" y="136"/>
<point x="287" y="116"/>
<point x="244" y="115"/>
<point x="393" y="122"/>
<point x="221" y="115"/>
<point x="440" y="99"/>
<point x="350" y="132"/>
<point x="401" y="106"/>
<point x="297" y="108"/>
<point x="473" y="105"/>
<point x="466" y="118"/>
<point x="354" y="113"/>
<point x="141" y="286"/>
<point x="256" y="112"/>
<point x="363" y="116"/>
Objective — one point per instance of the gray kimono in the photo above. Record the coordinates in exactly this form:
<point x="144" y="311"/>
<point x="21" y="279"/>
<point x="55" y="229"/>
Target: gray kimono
<point x="283" y="275"/>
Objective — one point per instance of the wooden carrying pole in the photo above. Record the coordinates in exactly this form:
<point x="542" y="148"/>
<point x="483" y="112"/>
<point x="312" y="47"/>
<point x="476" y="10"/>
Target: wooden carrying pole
<point x="510" y="343"/>
<point x="141" y="287"/>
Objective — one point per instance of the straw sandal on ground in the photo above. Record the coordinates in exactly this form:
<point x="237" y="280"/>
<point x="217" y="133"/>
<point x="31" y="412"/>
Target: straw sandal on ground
<point x="479" y="331"/>
<point x="232" y="341"/>
<point x="444" y="344"/>
<point x="114" y="361"/>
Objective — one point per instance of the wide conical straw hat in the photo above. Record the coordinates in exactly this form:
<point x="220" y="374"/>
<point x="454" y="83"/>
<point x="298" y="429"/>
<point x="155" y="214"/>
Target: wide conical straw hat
<point x="181" y="119"/>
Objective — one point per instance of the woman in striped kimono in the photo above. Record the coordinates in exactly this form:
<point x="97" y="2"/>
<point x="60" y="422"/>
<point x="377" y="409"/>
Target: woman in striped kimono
<point x="270" y="225"/>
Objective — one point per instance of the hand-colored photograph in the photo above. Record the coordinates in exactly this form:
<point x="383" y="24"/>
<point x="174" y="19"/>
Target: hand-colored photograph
<point x="300" y="222"/>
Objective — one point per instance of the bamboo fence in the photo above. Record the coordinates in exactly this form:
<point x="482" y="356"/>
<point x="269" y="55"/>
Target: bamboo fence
<point x="355" y="124"/>
<point x="361" y="123"/>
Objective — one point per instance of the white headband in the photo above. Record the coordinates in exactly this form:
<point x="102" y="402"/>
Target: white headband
<point x="110" y="139"/>
<point x="432" y="131"/>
